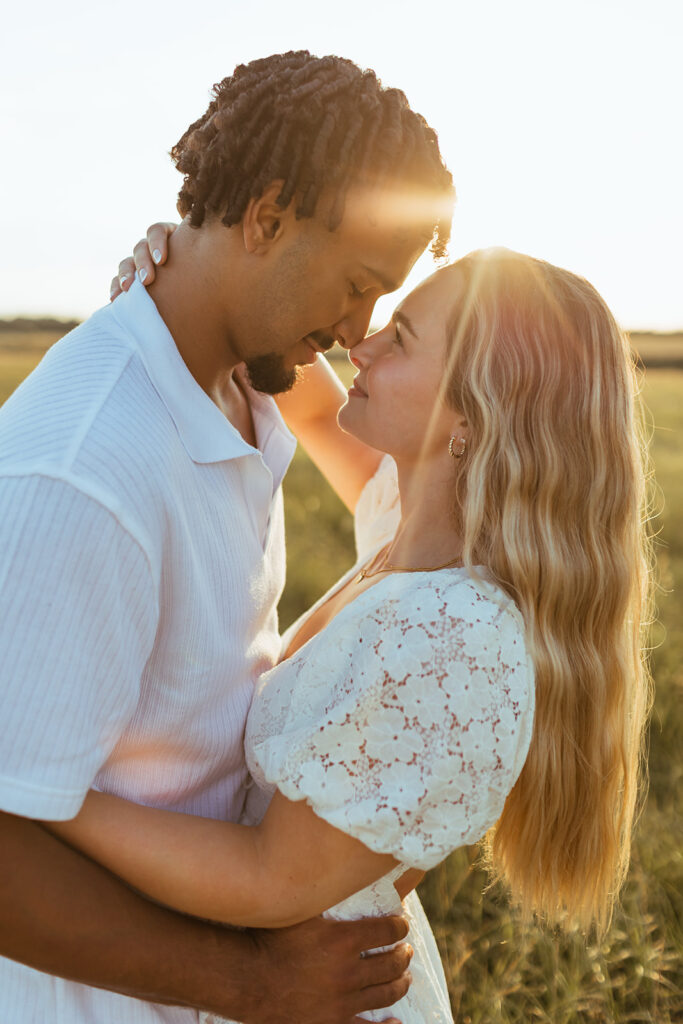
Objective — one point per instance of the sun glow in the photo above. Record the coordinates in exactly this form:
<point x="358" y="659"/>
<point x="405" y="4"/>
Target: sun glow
<point x="559" y="126"/>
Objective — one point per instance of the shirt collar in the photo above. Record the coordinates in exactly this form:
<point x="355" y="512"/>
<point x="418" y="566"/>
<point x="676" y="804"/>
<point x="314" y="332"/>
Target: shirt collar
<point x="205" y="432"/>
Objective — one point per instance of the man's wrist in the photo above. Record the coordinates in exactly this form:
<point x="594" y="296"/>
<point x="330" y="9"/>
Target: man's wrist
<point x="223" y="976"/>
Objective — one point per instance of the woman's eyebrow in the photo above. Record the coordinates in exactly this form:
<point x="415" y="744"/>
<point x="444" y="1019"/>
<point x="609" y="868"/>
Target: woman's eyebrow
<point x="400" y="318"/>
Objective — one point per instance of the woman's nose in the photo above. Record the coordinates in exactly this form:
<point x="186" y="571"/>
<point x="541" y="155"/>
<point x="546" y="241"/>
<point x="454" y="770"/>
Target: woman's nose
<point x="362" y="354"/>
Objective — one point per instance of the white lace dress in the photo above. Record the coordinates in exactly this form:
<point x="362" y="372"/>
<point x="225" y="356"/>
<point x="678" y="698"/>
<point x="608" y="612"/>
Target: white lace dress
<point x="405" y="723"/>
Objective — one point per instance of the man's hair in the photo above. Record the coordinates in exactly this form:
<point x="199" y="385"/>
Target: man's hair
<point x="314" y="123"/>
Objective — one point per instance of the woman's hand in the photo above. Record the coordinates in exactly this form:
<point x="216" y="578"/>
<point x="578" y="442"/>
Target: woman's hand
<point x="149" y="253"/>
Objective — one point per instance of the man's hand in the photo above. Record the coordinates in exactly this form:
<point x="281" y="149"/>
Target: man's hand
<point x="315" y="973"/>
<point x="62" y="914"/>
<point x="150" y="252"/>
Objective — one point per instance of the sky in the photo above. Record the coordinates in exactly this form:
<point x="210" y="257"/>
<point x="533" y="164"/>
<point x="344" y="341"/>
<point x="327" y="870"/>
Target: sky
<point x="561" y="123"/>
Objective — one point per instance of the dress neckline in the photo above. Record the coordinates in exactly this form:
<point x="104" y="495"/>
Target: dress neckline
<point x="294" y="629"/>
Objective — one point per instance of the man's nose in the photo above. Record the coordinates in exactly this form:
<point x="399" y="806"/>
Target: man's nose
<point x="354" y="327"/>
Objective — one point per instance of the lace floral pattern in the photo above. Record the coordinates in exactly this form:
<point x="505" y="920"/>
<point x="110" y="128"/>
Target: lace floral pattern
<point x="406" y="721"/>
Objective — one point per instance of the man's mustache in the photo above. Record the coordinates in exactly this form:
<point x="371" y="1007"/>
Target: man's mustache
<point x="323" y="338"/>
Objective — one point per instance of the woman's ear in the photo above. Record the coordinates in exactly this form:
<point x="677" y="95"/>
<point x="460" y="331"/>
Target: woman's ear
<point x="460" y="427"/>
<point x="264" y="222"/>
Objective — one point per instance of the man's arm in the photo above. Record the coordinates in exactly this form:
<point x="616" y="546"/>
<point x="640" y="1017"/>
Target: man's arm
<point x="77" y="622"/>
<point x="63" y="914"/>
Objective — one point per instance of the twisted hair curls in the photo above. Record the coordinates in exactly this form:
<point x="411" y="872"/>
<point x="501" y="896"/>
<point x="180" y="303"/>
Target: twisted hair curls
<point x="314" y="123"/>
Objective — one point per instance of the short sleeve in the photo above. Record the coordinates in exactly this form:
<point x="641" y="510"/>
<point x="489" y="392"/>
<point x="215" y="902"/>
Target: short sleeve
<point x="78" y="614"/>
<point x="378" y="510"/>
<point x="421" y="736"/>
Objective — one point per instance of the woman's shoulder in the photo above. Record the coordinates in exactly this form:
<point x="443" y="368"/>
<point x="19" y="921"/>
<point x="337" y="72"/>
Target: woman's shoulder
<point x="451" y="596"/>
<point x="447" y="625"/>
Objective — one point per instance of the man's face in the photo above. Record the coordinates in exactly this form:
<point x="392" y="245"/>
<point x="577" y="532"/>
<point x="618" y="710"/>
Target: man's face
<point x="317" y="286"/>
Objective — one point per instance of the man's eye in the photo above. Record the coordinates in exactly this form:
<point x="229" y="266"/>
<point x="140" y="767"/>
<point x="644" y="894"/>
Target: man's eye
<point x="355" y="290"/>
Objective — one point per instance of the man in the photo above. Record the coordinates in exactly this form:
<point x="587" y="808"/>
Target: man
<point x="142" y="552"/>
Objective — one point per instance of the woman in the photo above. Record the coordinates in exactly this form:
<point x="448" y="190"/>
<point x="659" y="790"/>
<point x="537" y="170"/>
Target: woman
<point x="478" y="674"/>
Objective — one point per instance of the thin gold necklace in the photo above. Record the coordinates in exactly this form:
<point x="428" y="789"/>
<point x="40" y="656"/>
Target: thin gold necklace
<point x="366" y="574"/>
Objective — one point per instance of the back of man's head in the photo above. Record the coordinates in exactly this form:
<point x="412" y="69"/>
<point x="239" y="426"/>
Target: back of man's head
<point x="316" y="124"/>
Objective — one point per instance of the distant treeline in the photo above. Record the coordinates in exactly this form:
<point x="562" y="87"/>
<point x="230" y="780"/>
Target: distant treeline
<point x="662" y="350"/>
<point x="27" y="324"/>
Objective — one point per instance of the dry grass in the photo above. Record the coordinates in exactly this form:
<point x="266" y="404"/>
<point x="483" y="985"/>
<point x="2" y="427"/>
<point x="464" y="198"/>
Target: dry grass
<point x="499" y="971"/>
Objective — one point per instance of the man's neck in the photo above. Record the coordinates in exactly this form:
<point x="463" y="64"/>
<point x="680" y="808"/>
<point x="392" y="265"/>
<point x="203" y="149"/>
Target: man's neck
<point x="192" y="302"/>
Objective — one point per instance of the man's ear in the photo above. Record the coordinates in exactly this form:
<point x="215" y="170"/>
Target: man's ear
<point x="264" y="222"/>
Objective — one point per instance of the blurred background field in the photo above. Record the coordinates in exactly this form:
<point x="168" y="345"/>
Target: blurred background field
<point x="499" y="971"/>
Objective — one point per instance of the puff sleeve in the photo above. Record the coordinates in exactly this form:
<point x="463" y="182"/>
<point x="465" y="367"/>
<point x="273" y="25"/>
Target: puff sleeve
<point x="407" y="722"/>
<point x="378" y="510"/>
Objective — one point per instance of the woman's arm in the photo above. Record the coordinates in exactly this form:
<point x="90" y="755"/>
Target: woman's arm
<point x="288" y="869"/>
<point x="310" y="411"/>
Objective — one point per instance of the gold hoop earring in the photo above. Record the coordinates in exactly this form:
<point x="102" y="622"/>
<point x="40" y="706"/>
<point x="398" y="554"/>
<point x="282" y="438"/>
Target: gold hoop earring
<point x="451" y="449"/>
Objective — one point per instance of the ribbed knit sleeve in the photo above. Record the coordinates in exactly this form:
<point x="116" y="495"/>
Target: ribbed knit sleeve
<point x="78" y="616"/>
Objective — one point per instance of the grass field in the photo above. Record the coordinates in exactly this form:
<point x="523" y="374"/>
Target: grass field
<point x="499" y="971"/>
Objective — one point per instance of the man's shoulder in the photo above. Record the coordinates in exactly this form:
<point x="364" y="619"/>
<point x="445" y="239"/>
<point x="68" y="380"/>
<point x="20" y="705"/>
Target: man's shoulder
<point x="92" y="382"/>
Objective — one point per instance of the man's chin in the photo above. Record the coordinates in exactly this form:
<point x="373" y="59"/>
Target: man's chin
<point x="269" y="375"/>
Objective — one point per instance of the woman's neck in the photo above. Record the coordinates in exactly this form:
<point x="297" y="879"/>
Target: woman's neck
<point x="427" y="534"/>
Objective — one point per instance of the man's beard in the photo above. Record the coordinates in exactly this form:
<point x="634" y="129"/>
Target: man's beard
<point x="269" y="375"/>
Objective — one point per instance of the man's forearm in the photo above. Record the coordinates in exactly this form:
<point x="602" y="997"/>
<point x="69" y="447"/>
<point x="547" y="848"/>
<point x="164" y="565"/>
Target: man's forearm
<point x="63" y="914"/>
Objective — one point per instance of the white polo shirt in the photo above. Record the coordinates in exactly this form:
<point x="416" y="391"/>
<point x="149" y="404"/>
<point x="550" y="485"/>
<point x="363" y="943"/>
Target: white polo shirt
<point x="141" y="561"/>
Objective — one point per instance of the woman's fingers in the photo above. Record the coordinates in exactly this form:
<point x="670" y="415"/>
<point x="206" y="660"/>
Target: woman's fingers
<point x="157" y="241"/>
<point x="149" y="253"/>
<point x="144" y="264"/>
<point x="124" y="279"/>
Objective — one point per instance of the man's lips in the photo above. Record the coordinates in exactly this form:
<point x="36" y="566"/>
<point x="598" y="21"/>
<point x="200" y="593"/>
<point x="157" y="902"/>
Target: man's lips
<point x="319" y="341"/>
<point x="315" y="346"/>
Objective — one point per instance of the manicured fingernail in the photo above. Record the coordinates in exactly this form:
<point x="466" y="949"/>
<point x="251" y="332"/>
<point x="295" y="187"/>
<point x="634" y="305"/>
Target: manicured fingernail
<point x="156" y="255"/>
<point x="142" y="274"/>
<point x="123" y="279"/>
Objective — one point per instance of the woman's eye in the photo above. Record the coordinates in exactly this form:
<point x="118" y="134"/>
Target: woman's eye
<point x="397" y="338"/>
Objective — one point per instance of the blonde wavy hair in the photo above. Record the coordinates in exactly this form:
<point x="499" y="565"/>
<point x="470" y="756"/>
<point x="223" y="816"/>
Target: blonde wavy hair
<point x="552" y="499"/>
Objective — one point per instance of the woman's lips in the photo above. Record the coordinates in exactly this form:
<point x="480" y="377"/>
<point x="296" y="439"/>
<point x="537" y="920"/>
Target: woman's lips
<point x="356" y="391"/>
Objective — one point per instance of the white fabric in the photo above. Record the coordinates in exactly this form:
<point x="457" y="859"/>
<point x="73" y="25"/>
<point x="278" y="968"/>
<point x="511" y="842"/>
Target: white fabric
<point x="405" y="723"/>
<point x="141" y="561"/>
<point x="378" y="511"/>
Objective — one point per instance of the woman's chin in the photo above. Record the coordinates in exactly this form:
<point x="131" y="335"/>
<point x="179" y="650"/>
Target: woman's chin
<point x="345" y="418"/>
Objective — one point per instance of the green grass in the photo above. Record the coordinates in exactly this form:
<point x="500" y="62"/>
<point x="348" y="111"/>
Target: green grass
<point x="499" y="971"/>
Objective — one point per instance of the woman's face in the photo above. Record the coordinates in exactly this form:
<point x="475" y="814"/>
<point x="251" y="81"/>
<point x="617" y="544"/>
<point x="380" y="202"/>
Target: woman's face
<point x="394" y="403"/>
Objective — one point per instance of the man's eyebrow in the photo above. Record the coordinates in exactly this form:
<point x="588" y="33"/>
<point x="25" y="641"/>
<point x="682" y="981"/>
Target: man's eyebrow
<point x="387" y="285"/>
<point x="400" y="318"/>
